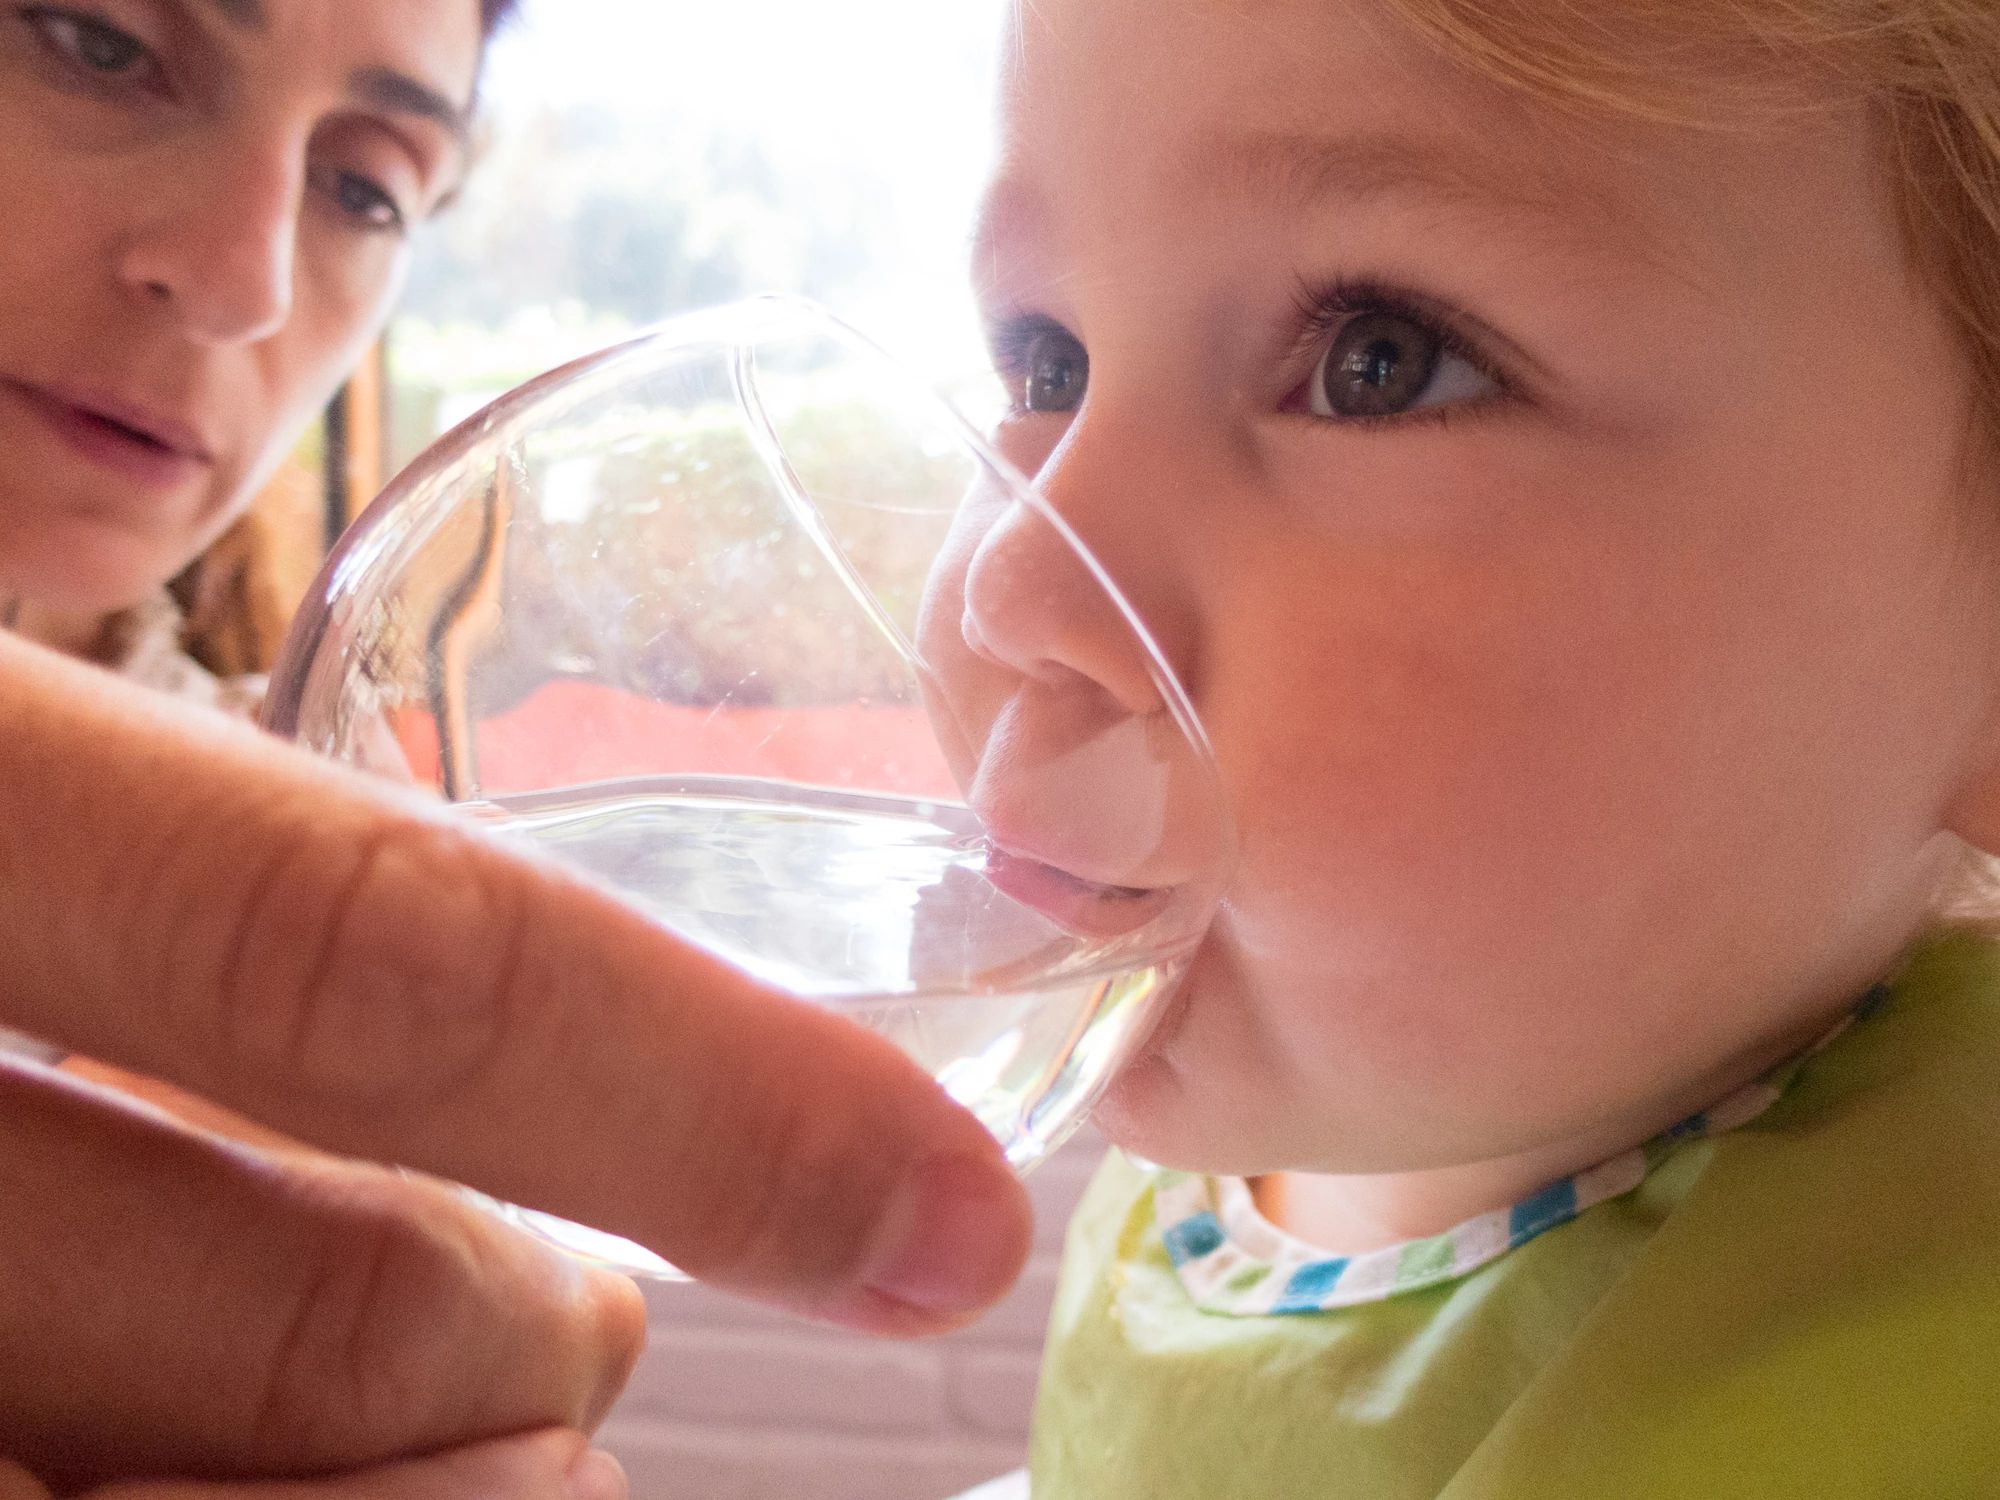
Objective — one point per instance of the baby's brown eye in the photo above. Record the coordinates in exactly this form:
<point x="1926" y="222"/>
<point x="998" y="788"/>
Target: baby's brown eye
<point x="1381" y="365"/>
<point x="1057" y="371"/>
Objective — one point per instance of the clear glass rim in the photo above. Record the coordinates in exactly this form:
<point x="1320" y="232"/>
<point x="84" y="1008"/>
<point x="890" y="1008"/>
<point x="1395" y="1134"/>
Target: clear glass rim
<point x="730" y="328"/>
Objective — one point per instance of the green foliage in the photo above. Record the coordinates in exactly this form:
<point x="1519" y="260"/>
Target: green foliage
<point x="669" y="563"/>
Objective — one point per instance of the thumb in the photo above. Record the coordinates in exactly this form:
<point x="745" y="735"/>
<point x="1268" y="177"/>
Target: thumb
<point x="550" y="1465"/>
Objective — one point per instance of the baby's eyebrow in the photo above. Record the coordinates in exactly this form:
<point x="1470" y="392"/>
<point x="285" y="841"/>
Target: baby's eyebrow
<point x="1308" y="169"/>
<point x="1550" y="198"/>
<point x="1311" y="167"/>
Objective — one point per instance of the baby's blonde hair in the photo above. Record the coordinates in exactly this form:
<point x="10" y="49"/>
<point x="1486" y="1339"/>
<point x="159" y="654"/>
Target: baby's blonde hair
<point x="1929" y="68"/>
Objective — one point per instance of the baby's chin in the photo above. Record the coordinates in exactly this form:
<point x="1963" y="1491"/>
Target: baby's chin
<point x="1150" y="1112"/>
<point x="1180" y="1102"/>
<point x="1197" y="1100"/>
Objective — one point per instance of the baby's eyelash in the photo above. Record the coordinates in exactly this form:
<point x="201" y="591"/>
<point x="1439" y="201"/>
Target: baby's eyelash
<point x="1008" y="342"/>
<point x="1324" y="308"/>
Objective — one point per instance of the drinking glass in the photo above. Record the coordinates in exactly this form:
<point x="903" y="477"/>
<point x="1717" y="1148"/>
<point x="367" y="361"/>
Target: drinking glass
<point x="741" y="621"/>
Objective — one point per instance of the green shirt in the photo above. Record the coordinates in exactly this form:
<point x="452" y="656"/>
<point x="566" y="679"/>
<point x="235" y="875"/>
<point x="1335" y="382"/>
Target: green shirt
<point x="1806" y="1304"/>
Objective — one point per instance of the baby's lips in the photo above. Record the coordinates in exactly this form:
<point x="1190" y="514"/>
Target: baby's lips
<point x="1084" y="908"/>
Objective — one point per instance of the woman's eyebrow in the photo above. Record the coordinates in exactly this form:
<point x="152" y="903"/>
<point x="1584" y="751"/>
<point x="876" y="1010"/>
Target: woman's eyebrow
<point x="384" y="88"/>
<point x="247" y="14"/>
<point x="387" y="89"/>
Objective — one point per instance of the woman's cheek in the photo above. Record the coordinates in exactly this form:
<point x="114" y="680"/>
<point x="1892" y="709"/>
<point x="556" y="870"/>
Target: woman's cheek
<point x="349" y="281"/>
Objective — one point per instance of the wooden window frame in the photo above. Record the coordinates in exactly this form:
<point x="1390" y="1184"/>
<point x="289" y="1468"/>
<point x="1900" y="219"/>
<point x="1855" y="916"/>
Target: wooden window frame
<point x="357" y="430"/>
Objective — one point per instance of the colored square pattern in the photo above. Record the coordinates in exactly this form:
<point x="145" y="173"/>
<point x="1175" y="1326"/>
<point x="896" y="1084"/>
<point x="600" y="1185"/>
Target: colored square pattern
<point x="1198" y="1217"/>
<point x="1310" y="1284"/>
<point x="1425" y="1261"/>
<point x="1553" y="1205"/>
<point x="1191" y="1239"/>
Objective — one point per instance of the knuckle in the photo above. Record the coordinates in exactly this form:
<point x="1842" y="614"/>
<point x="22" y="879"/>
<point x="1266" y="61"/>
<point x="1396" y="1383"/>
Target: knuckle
<point x="618" y="1334"/>
<point x="378" y="971"/>
<point x="373" y="1319"/>
<point x="416" y="1321"/>
<point x="800" y="1201"/>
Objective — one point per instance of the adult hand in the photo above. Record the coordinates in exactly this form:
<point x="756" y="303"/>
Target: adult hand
<point x="189" y="900"/>
<point x="552" y="1465"/>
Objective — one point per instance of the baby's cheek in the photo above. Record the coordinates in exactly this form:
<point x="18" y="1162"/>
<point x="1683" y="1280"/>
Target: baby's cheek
<point x="1425" y="798"/>
<point x="1355" y="796"/>
<point x="1432" y="725"/>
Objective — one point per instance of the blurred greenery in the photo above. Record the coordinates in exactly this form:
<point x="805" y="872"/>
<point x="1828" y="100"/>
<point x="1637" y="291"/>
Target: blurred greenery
<point x="574" y="205"/>
<point x="580" y="229"/>
<point x="670" y="564"/>
<point x="664" y="561"/>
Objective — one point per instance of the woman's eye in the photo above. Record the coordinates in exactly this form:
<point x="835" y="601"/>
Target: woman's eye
<point x="365" y="201"/>
<point x="1387" y="364"/>
<point x="93" y="45"/>
<point x="1055" y="370"/>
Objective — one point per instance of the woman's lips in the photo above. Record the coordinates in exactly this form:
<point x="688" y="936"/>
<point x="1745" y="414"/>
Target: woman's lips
<point x="121" y="436"/>
<point x="1079" y="906"/>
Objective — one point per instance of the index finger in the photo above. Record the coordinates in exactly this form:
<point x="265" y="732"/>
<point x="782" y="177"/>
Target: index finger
<point x="189" y="899"/>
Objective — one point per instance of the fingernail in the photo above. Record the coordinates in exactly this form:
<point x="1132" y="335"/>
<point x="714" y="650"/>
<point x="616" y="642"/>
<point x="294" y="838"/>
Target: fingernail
<point x="596" y="1475"/>
<point x="954" y="1239"/>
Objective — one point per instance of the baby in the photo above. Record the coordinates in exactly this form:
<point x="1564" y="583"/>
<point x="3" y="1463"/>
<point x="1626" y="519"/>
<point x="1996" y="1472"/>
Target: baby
<point x="1558" y="446"/>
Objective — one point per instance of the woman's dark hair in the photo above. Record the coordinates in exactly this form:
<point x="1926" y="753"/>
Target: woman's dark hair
<point x="493" y="14"/>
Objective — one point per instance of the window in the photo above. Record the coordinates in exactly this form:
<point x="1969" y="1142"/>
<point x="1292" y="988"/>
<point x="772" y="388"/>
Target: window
<point x="644" y="160"/>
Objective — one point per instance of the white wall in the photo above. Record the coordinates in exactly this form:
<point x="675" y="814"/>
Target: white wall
<point x="734" y="1403"/>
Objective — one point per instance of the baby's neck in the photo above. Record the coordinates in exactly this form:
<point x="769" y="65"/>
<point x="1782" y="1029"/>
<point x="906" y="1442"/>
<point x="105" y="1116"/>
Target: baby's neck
<point x="1353" y="1214"/>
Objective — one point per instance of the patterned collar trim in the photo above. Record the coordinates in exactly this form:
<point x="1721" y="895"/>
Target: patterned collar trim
<point x="1233" y="1261"/>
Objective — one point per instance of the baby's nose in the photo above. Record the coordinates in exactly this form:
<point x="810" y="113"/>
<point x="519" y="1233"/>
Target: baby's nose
<point x="1037" y="604"/>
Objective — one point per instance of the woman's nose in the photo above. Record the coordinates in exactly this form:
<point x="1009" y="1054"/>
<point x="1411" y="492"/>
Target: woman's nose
<point x="1034" y="604"/>
<point x="219" y="256"/>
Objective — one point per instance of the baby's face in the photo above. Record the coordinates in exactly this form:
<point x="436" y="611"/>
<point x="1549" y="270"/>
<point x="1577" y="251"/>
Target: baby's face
<point x="1561" y="531"/>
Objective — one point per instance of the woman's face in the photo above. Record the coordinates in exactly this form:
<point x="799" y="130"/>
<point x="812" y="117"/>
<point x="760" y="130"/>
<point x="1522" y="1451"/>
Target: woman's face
<point x="208" y="203"/>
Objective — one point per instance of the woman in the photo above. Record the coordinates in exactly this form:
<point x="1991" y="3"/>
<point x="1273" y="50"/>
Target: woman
<point x="208" y="204"/>
<point x="204" y="237"/>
